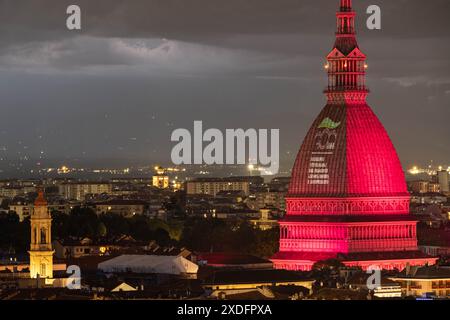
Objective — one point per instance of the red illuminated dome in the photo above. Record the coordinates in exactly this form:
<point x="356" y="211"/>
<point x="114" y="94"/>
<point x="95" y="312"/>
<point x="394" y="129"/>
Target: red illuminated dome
<point x="347" y="153"/>
<point x="348" y="198"/>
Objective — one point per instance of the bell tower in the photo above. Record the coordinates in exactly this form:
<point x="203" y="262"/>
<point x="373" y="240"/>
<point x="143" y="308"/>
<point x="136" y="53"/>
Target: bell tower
<point x="41" y="252"/>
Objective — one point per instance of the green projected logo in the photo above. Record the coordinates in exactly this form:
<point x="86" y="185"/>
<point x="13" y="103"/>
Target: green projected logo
<point x="329" y="124"/>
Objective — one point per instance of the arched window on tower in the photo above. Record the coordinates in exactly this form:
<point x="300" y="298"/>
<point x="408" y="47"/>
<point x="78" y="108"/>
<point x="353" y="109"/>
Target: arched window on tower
<point x="35" y="232"/>
<point x="43" y="236"/>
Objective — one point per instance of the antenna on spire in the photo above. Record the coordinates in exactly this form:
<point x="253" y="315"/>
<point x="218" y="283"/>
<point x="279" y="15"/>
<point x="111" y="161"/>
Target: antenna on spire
<point x="346" y="5"/>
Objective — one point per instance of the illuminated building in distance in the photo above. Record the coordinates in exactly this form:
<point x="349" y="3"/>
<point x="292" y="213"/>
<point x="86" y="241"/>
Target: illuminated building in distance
<point x="212" y="186"/>
<point x="160" y="179"/>
<point x="443" y="179"/>
<point x="348" y="198"/>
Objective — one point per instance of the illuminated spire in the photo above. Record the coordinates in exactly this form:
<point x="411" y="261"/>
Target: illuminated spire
<point x="346" y="5"/>
<point x="346" y="64"/>
<point x="346" y="19"/>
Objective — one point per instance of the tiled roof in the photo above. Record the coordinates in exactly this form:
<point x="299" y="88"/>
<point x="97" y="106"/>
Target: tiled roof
<point x="230" y="259"/>
<point x="427" y="272"/>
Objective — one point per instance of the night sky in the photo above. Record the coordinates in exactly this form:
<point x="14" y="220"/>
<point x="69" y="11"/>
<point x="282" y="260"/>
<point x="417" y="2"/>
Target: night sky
<point x="113" y="92"/>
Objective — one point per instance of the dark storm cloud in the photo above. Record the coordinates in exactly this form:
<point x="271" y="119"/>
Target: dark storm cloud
<point x="139" y="69"/>
<point x="206" y="20"/>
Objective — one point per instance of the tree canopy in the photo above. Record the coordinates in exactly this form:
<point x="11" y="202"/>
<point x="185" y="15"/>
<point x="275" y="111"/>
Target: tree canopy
<point x="198" y="234"/>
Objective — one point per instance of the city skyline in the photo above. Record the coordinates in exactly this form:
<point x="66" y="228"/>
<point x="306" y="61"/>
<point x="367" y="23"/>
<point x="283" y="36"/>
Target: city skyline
<point x="112" y="93"/>
<point x="147" y="152"/>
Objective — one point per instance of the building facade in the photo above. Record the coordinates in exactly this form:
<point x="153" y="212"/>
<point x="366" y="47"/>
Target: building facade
<point x="443" y="181"/>
<point x="79" y="191"/>
<point x="215" y="185"/>
<point x="429" y="280"/>
<point x="160" y="181"/>
<point x="419" y="186"/>
<point x="126" y="208"/>
<point x="272" y="199"/>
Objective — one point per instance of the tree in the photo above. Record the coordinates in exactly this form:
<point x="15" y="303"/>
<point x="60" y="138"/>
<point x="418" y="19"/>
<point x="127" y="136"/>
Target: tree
<point x="327" y="272"/>
<point x="59" y="225"/>
<point x="221" y="236"/>
<point x="83" y="222"/>
<point x="161" y="236"/>
<point x="267" y="242"/>
<point x="13" y="235"/>
<point x="176" y="204"/>
<point x="116" y="225"/>
<point x="5" y="204"/>
<point x="101" y="230"/>
<point x="328" y="265"/>
<point x="175" y="230"/>
<point x="140" y="228"/>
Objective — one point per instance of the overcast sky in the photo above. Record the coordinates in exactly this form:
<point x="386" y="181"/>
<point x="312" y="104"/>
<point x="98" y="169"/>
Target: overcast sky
<point x="114" y="91"/>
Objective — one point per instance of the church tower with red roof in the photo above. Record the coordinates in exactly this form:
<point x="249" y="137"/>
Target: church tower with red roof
<point x="348" y="198"/>
<point x="41" y="251"/>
